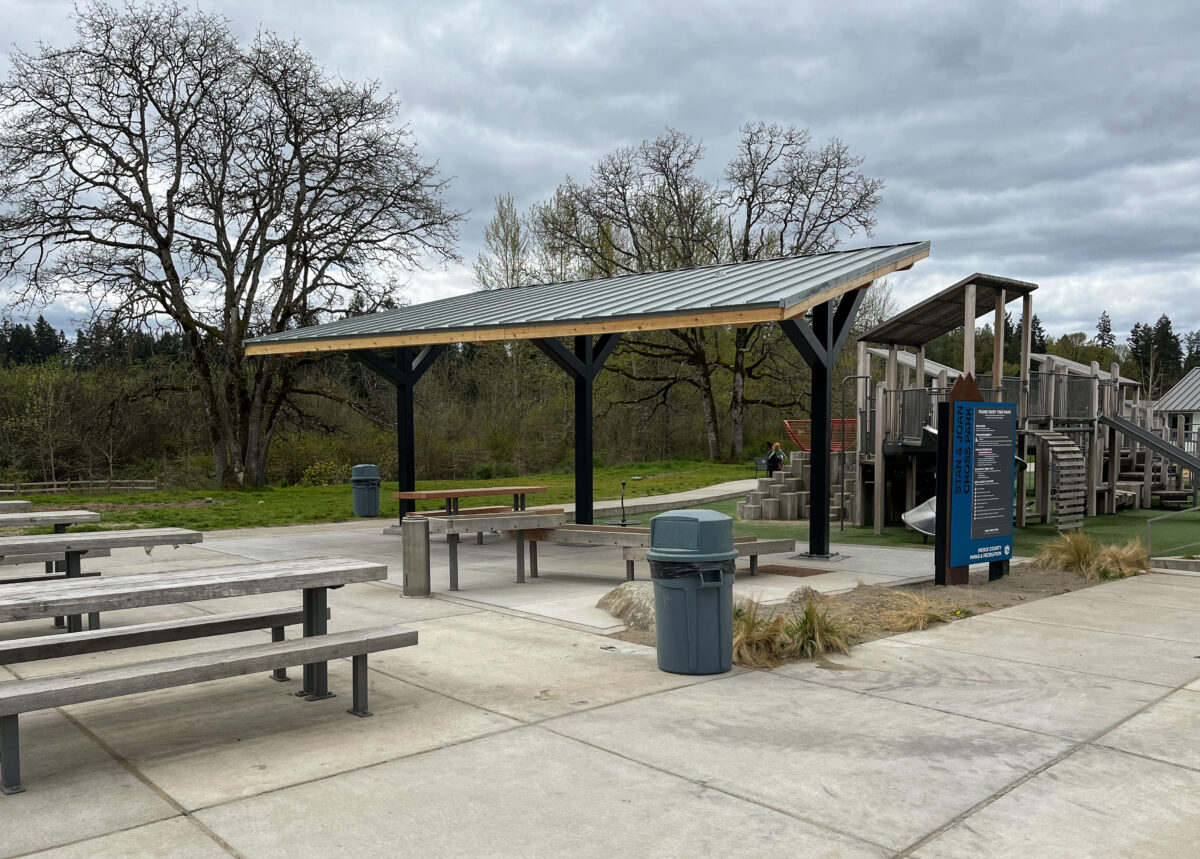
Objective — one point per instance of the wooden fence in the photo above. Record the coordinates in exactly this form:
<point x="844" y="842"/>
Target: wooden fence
<point x="79" y="485"/>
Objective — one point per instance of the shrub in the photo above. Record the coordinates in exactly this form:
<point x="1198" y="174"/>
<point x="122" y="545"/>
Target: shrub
<point x="482" y="471"/>
<point x="325" y="472"/>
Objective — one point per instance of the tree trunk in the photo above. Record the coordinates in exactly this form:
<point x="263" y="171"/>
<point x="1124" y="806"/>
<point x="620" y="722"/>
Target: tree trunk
<point x="737" y="397"/>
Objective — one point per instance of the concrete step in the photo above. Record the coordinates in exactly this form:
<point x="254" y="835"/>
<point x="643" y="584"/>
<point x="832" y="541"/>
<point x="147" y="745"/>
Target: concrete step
<point x="1172" y="565"/>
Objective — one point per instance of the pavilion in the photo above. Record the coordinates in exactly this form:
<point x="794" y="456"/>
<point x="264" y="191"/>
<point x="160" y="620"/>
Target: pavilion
<point x="814" y="300"/>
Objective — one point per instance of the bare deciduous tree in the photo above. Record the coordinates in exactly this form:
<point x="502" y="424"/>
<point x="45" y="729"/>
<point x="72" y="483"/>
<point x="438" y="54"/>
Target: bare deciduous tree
<point x="157" y="167"/>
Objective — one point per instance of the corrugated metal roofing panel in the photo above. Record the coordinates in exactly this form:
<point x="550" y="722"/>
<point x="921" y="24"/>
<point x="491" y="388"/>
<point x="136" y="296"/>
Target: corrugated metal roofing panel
<point x="776" y="283"/>
<point x="908" y="359"/>
<point x="1184" y="397"/>
<point x="1074" y="368"/>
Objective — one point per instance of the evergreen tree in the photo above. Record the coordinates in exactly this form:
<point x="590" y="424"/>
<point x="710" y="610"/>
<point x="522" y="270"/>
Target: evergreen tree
<point x="1141" y="350"/>
<point x="1104" y="335"/>
<point x="1037" y="335"/>
<point x="1168" y="354"/>
<point x="1191" y="342"/>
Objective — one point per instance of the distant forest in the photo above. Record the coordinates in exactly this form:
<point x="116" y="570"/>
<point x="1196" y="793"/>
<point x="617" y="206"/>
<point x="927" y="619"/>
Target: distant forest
<point x="117" y="403"/>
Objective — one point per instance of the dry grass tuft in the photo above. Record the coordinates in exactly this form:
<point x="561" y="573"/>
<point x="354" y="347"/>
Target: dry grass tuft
<point x="910" y="612"/>
<point x="756" y="636"/>
<point x="811" y="631"/>
<point x="1073" y="551"/>
<point x="1076" y="552"/>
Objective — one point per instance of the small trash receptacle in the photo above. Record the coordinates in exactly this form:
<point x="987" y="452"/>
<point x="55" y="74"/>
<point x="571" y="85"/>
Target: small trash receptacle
<point x="691" y="559"/>
<point x="365" y="479"/>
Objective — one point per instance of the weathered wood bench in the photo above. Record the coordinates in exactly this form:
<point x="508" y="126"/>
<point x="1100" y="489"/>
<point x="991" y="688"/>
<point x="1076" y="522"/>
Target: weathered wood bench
<point x="60" y="690"/>
<point x="15" y="506"/>
<point x="514" y="522"/>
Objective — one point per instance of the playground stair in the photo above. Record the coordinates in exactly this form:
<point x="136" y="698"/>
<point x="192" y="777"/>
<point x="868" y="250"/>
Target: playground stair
<point x="1068" y="490"/>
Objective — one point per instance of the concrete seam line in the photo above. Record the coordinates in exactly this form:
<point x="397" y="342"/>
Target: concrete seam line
<point x="184" y="816"/>
<point x="722" y="790"/>
<point x="917" y="845"/>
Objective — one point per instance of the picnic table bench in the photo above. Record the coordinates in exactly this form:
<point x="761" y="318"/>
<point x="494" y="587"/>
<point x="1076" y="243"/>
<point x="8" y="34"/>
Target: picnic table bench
<point x="514" y="522"/>
<point x="452" y="496"/>
<point x="60" y="520"/>
<point x="15" y="506"/>
<point x="75" y="546"/>
<point x="313" y="575"/>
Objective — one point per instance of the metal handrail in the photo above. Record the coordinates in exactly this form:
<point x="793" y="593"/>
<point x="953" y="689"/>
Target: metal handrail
<point x="1150" y="530"/>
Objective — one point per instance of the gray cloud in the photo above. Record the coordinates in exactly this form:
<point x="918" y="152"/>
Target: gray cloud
<point x="1058" y="143"/>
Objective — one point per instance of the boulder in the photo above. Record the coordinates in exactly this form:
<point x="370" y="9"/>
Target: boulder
<point x="632" y="603"/>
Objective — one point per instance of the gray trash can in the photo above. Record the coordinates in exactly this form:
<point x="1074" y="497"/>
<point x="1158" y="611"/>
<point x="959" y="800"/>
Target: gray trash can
<point x="691" y="559"/>
<point x="365" y="481"/>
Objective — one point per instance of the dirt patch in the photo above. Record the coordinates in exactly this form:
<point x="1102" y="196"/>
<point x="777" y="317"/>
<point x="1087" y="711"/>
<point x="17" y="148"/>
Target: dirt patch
<point x="786" y="570"/>
<point x="871" y="609"/>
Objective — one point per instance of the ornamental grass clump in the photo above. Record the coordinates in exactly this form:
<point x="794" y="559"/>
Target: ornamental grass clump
<point x="1072" y="551"/>
<point x="810" y="631"/>
<point x="910" y="612"/>
<point x="756" y="636"/>
<point x="1117" y="562"/>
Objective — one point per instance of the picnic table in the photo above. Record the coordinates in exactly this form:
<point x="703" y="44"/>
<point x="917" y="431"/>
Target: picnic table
<point x="59" y="520"/>
<point x="452" y="496"/>
<point x="15" y="506"/>
<point x="313" y="576"/>
<point x="75" y="546"/>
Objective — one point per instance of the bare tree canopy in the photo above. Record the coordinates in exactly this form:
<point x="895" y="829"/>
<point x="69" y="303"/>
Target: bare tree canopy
<point x="157" y="167"/>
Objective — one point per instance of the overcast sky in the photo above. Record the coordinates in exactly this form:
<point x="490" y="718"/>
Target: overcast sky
<point x="1055" y="142"/>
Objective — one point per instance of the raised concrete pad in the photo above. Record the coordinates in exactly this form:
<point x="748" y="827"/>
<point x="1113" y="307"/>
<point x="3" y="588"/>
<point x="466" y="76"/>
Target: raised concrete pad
<point x="179" y="837"/>
<point x="1167" y="731"/>
<point x="884" y="771"/>
<point x="1105" y="654"/>
<point x="1049" y="700"/>
<point x="522" y="793"/>
<point x="1097" y="802"/>
<point x="526" y="669"/>
<point x="226" y="739"/>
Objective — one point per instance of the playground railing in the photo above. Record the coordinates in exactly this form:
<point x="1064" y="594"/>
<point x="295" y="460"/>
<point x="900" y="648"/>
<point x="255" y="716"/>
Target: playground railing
<point x="1150" y="531"/>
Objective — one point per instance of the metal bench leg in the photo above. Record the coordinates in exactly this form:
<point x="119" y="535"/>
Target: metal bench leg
<point x="533" y="572"/>
<point x="93" y="620"/>
<point x="520" y="557"/>
<point x="478" y="538"/>
<point x="279" y="674"/>
<point x="10" y="756"/>
<point x="316" y="674"/>
<point x="360" y="686"/>
<point x="754" y="565"/>
<point x="74" y="621"/>
<point x="452" y="539"/>
<point x="629" y="571"/>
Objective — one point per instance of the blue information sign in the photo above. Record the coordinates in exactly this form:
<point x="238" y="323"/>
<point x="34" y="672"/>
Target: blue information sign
<point x="983" y="444"/>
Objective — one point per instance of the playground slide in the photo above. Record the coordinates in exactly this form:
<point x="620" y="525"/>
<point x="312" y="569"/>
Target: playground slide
<point x="923" y="517"/>
<point x="1155" y="443"/>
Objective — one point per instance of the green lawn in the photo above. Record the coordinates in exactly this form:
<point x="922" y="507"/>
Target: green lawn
<point x="1120" y="528"/>
<point x="307" y="504"/>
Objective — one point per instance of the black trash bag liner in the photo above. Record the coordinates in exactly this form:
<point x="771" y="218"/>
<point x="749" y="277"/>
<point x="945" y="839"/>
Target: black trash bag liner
<point x="680" y="569"/>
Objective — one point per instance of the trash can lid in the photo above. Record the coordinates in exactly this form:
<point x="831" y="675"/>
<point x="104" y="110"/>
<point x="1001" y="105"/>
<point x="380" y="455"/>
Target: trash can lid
<point x="364" y="472"/>
<point x="691" y="536"/>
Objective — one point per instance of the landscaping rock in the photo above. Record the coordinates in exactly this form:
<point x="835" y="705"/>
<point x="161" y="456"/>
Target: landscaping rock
<point x="632" y="603"/>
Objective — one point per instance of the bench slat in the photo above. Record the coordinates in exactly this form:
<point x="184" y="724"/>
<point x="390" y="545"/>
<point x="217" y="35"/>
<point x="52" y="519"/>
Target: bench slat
<point x="77" y="687"/>
<point x="52" y="557"/>
<point x="80" y="596"/>
<point x="47" y="517"/>
<point x="83" y="541"/>
<point x="141" y="634"/>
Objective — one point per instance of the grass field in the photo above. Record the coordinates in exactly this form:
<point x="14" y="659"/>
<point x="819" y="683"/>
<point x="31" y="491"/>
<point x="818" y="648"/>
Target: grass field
<point x="1120" y="528"/>
<point x="308" y="504"/>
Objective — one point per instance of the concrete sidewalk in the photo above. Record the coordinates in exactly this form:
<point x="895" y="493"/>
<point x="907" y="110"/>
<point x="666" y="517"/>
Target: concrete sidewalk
<point x="1063" y="727"/>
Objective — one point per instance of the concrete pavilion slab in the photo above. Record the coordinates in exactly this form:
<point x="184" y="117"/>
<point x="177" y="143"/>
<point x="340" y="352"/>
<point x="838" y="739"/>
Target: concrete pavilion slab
<point x="213" y="742"/>
<point x="885" y="771"/>
<point x="1103" y="654"/>
<point x="185" y="837"/>
<point x="1051" y="701"/>
<point x="1097" y="802"/>
<point x="526" y="669"/>
<point x="1106" y="615"/>
<point x="522" y="793"/>
<point x="1136" y="591"/>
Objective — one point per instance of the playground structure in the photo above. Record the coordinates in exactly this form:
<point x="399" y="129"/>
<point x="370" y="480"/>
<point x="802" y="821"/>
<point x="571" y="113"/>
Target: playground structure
<point x="1094" y="443"/>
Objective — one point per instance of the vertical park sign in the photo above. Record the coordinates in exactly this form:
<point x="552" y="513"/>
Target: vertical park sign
<point x="976" y="450"/>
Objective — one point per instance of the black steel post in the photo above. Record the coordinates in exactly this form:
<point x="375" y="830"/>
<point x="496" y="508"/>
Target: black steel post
<point x="584" y="436"/>
<point x="10" y="755"/>
<point x="316" y="622"/>
<point x="74" y="621"/>
<point x="406" y="456"/>
<point x="359" y="671"/>
<point x="280" y="674"/>
<point x="821" y="414"/>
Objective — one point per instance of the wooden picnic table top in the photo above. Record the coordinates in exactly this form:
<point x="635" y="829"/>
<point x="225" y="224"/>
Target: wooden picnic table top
<point x="47" y="517"/>
<point x="475" y="492"/>
<point x="15" y="506"/>
<point x="30" y="600"/>
<point x="83" y="541"/>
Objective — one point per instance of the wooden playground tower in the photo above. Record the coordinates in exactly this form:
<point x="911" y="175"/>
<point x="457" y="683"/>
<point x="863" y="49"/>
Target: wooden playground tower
<point x="1090" y="449"/>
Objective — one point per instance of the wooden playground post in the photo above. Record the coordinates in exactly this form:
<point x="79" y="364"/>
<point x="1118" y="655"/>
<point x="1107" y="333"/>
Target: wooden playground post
<point x="968" y="367"/>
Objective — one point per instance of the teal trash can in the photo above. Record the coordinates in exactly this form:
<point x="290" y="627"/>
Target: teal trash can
<point x="691" y="559"/>
<point x="364" y="482"/>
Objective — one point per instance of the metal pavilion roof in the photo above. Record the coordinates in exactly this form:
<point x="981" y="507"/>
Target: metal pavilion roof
<point x="909" y="360"/>
<point x="942" y="313"/>
<point x="1184" y="397"/>
<point x="737" y="293"/>
<point x="1074" y="368"/>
